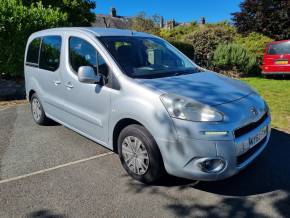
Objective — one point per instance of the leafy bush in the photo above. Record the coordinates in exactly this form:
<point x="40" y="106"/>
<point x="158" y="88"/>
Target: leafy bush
<point x="236" y="58"/>
<point x="206" y="39"/>
<point x="79" y="12"/>
<point x="17" y="22"/>
<point x="254" y="42"/>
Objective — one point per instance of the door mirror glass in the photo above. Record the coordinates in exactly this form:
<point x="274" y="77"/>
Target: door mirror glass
<point x="86" y="74"/>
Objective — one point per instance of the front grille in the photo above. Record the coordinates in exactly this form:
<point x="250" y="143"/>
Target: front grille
<point x="248" y="128"/>
<point x="243" y="157"/>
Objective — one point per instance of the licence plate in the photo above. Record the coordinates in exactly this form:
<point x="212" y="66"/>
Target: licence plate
<point x="259" y="137"/>
<point x="281" y="62"/>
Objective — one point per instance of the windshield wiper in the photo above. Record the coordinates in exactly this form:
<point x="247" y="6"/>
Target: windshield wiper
<point x="169" y="74"/>
<point x="180" y="73"/>
<point x="183" y="72"/>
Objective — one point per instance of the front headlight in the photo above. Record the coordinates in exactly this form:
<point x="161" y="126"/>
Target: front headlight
<point x="187" y="109"/>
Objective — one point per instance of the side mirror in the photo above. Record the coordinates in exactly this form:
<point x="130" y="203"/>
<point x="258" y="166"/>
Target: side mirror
<point x="86" y="74"/>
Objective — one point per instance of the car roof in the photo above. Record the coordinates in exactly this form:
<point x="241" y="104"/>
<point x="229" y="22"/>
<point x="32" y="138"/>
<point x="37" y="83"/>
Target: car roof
<point x="94" y="30"/>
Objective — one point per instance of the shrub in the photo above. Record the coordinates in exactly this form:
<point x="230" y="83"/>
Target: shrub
<point x="206" y="39"/>
<point x="254" y="42"/>
<point x="236" y="58"/>
<point x="17" y="22"/>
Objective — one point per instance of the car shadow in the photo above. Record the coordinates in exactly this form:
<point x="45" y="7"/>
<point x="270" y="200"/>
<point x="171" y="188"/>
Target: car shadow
<point x="44" y="214"/>
<point x="52" y="123"/>
<point x="278" y="77"/>
<point x="269" y="174"/>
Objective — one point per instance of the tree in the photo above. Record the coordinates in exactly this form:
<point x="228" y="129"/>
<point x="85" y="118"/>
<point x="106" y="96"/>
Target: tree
<point x="143" y="23"/>
<point x="269" y="17"/>
<point x="78" y="11"/>
<point x="17" y="22"/>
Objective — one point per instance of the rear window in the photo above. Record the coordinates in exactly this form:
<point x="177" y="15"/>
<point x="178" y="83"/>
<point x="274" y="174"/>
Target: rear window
<point x="33" y="51"/>
<point x="50" y="53"/>
<point x="281" y="48"/>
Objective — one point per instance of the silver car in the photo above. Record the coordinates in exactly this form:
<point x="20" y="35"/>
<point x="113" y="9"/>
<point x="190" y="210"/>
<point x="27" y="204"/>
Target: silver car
<point x="139" y="96"/>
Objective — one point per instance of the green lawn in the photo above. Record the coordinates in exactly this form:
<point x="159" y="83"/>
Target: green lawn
<point x="277" y="93"/>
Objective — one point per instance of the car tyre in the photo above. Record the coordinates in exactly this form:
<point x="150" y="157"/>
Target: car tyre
<point x="37" y="111"/>
<point x="269" y="76"/>
<point x="140" y="155"/>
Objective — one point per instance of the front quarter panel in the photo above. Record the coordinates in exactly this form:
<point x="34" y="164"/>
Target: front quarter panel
<point x="145" y="107"/>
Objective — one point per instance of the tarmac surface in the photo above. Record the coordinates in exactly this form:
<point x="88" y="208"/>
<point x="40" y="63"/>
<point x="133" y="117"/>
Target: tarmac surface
<point x="51" y="171"/>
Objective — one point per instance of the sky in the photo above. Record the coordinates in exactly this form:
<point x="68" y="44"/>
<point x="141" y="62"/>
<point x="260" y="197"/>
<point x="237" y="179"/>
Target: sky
<point x="180" y="10"/>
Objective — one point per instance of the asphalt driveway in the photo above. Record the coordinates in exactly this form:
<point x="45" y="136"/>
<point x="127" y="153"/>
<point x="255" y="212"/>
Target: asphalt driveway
<point x="51" y="171"/>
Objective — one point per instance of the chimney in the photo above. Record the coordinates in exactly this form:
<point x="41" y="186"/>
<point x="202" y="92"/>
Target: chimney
<point x="202" y="21"/>
<point x="173" y="23"/>
<point x="113" y="12"/>
<point x="161" y="22"/>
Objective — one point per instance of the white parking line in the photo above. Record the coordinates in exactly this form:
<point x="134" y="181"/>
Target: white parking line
<point x="54" y="168"/>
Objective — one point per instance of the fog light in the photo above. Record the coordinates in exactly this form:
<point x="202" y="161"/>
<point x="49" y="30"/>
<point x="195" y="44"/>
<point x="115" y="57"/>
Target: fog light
<point x="211" y="165"/>
<point x="215" y="133"/>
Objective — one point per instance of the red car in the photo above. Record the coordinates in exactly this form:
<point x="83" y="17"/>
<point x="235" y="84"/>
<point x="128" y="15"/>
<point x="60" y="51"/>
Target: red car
<point x="277" y="58"/>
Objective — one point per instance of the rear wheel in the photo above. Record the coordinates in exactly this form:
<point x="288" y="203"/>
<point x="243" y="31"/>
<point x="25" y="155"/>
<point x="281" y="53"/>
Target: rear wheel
<point x="37" y="111"/>
<point x="139" y="154"/>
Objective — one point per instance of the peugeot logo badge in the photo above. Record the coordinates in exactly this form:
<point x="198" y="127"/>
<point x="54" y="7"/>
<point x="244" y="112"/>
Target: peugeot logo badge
<point x="254" y="112"/>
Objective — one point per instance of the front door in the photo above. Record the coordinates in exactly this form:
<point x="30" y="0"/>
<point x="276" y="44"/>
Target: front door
<point x="87" y="106"/>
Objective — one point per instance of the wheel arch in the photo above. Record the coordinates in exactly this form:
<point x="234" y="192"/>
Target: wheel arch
<point x="31" y="92"/>
<point x="120" y="125"/>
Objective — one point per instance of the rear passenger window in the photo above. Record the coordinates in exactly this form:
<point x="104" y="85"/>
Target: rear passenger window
<point x="50" y="53"/>
<point x="33" y="51"/>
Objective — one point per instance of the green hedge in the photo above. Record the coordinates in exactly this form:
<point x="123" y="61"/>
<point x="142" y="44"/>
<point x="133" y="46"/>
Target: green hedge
<point x="186" y="48"/>
<point x="200" y="42"/>
<point x="17" y="22"/>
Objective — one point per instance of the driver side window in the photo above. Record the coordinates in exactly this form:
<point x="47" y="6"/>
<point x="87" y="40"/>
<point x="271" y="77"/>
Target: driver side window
<point x="82" y="53"/>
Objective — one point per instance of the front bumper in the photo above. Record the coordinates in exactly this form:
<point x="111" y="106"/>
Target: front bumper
<point x="180" y="156"/>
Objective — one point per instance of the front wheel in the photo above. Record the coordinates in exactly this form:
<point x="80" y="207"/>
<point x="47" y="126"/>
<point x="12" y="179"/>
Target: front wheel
<point x="139" y="154"/>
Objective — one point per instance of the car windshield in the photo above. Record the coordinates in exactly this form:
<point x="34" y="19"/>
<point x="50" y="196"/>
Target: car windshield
<point x="280" y="48"/>
<point x="147" y="57"/>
